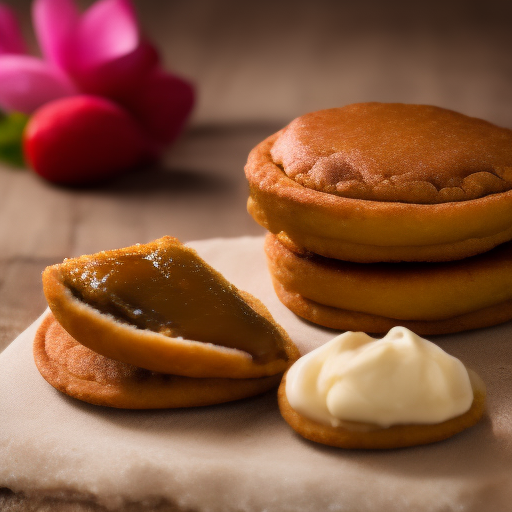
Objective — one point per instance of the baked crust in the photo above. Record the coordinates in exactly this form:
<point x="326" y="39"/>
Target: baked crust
<point x="396" y="152"/>
<point x="364" y="230"/>
<point x="346" y="320"/>
<point x="83" y="374"/>
<point x="405" y="292"/>
<point x="365" y="436"/>
<point x="124" y="342"/>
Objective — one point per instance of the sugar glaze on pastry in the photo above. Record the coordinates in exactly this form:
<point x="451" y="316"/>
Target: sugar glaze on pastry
<point x="399" y="379"/>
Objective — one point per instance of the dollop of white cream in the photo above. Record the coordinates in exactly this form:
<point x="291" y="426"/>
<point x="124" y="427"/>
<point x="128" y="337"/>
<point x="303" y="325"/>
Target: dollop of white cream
<point x="399" y="379"/>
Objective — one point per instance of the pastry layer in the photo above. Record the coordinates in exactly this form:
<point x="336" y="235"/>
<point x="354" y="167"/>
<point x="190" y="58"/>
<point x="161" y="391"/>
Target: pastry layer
<point x="363" y="230"/>
<point x="405" y="291"/>
<point x="347" y="320"/>
<point x="83" y="374"/>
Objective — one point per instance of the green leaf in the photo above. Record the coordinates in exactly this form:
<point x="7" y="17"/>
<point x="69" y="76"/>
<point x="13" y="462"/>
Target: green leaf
<point x="11" y="132"/>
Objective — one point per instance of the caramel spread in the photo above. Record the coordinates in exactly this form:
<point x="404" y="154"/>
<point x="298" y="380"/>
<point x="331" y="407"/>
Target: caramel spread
<point x="170" y="290"/>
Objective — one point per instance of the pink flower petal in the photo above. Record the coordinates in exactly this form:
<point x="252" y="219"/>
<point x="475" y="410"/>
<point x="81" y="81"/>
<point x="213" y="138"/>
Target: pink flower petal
<point x="56" y="23"/>
<point x="118" y="78"/>
<point x="108" y="30"/>
<point x="27" y="83"/>
<point x="163" y="106"/>
<point x="11" y="39"/>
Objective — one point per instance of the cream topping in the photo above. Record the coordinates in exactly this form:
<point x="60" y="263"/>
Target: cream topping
<point x="399" y="379"/>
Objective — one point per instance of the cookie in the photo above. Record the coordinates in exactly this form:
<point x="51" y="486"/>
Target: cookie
<point x="85" y="375"/>
<point x="376" y="182"/>
<point x="402" y="390"/>
<point x="428" y="298"/>
<point x="358" y="435"/>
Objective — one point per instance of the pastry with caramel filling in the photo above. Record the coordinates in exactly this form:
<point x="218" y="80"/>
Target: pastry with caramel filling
<point x="428" y="298"/>
<point x="375" y="182"/>
<point x="83" y="374"/>
<point x="160" y="307"/>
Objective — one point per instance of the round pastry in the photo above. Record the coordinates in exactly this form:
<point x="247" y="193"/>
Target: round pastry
<point x="428" y="298"/>
<point x="83" y="374"/>
<point x="400" y="391"/>
<point x="385" y="182"/>
<point x="160" y="307"/>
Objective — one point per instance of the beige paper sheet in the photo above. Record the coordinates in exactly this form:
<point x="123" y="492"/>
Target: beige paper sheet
<point x="242" y="456"/>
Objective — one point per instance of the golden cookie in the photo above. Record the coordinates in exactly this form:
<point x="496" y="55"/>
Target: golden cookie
<point x="83" y="374"/>
<point x="366" y="436"/>
<point x="385" y="182"/>
<point x="160" y="307"/>
<point x="428" y="298"/>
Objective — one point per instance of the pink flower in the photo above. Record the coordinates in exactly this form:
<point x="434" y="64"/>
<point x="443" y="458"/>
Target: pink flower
<point x="100" y="52"/>
<point x="26" y="82"/>
<point x="11" y="40"/>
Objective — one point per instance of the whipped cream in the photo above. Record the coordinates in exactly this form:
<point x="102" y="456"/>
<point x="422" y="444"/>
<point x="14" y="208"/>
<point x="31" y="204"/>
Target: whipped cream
<point x="399" y="379"/>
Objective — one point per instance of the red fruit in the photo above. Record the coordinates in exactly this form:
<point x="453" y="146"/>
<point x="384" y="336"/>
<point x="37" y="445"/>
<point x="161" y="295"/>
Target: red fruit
<point x="82" y="140"/>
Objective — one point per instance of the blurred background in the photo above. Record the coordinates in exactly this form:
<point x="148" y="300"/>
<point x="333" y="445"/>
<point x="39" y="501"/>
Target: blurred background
<point x="256" y="65"/>
<point x="269" y="61"/>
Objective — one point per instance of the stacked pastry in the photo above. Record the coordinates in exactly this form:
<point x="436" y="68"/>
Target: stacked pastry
<point x="388" y="214"/>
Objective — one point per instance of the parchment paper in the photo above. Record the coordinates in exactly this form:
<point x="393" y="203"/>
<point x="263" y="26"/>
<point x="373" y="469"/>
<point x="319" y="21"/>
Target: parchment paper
<point x="242" y="456"/>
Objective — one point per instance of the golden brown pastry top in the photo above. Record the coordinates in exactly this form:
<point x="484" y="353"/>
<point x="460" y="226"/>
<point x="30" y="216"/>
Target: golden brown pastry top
<point x="396" y="152"/>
